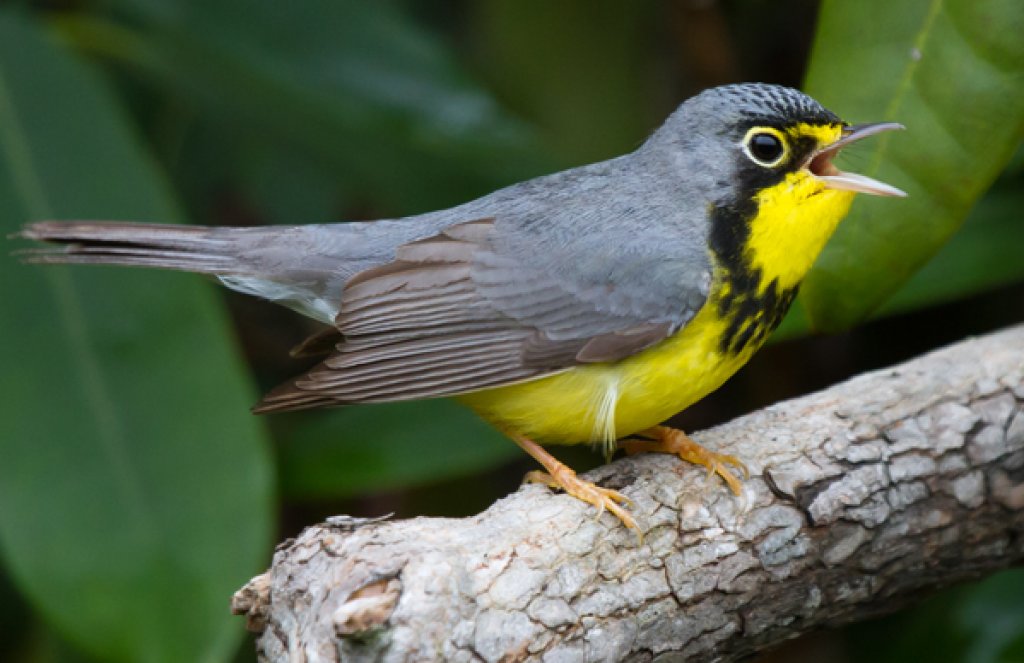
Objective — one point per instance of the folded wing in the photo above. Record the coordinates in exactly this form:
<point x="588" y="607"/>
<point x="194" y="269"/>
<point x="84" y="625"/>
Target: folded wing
<point x="454" y="313"/>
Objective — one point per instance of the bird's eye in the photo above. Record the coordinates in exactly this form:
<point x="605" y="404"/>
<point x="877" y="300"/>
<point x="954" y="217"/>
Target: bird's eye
<point x="765" y="148"/>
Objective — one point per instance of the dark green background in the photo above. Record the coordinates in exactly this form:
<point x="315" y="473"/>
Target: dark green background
<point x="137" y="492"/>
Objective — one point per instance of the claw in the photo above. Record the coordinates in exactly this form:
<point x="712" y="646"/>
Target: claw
<point x="674" y="441"/>
<point x="565" y="479"/>
<point x="560" y="476"/>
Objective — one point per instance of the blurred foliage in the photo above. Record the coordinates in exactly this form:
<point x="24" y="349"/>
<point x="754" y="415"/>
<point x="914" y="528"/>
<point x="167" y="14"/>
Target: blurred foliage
<point x="981" y="623"/>
<point x="124" y="522"/>
<point x="328" y="456"/>
<point x="381" y="105"/>
<point x="603" y="72"/>
<point x="135" y="492"/>
<point x="926" y="59"/>
<point x="983" y="254"/>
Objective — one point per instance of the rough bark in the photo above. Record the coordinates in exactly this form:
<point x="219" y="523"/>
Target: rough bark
<point x="861" y="497"/>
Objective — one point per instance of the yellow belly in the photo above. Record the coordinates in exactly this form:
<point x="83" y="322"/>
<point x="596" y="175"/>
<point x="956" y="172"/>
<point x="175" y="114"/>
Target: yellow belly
<point x="603" y="402"/>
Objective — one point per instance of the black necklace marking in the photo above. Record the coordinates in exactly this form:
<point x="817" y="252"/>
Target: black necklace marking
<point x="752" y="313"/>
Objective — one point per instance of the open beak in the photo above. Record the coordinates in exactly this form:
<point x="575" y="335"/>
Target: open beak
<point x="820" y="164"/>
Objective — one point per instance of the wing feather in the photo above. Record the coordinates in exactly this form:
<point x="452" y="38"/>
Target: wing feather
<point x="437" y="346"/>
<point x="452" y="314"/>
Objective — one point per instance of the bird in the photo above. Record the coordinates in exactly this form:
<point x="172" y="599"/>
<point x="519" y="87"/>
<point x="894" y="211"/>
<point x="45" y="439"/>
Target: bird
<point x="581" y="307"/>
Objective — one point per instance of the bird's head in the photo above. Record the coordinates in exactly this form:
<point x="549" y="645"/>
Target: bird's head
<point x="761" y="159"/>
<point x="758" y="134"/>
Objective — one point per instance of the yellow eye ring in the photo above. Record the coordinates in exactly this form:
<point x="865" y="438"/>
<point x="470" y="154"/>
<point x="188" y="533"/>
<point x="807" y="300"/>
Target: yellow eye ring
<point x="765" y="146"/>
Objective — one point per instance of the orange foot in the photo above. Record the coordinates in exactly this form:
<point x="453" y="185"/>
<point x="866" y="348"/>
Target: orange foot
<point x="559" y="475"/>
<point x="674" y="441"/>
<point x="602" y="498"/>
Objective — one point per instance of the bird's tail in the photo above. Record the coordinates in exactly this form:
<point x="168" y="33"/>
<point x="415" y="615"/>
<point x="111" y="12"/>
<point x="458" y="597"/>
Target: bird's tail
<point x="301" y="267"/>
<point x="187" y="248"/>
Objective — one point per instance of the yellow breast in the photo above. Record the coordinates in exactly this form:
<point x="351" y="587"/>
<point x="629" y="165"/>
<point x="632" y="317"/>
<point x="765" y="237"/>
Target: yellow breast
<point x="602" y="402"/>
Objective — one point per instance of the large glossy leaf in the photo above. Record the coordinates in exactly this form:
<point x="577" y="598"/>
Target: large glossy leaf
<point x="354" y="83"/>
<point x="134" y="485"/>
<point x="984" y="254"/>
<point x="952" y="71"/>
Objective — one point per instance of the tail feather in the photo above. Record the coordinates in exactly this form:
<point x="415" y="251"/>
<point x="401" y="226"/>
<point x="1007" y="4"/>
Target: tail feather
<point x="301" y="267"/>
<point x="188" y="248"/>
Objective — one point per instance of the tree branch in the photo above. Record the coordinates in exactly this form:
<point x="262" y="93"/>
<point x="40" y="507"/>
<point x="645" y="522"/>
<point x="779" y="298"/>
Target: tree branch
<point x="862" y="496"/>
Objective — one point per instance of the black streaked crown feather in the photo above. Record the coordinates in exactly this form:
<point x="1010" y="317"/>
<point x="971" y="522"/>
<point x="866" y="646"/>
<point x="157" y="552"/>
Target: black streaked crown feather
<point x="772" y="104"/>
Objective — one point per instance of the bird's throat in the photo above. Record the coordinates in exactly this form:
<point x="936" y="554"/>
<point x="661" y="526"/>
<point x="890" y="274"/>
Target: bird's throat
<point x="791" y="223"/>
<point x="762" y="249"/>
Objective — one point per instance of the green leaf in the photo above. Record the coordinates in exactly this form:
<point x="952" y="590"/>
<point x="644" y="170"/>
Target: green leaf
<point x="378" y="447"/>
<point x="353" y="83"/>
<point x="984" y="254"/>
<point x="952" y="71"/>
<point x="135" y="488"/>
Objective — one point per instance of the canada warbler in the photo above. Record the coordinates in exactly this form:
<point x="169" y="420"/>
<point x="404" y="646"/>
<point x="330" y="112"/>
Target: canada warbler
<point x="579" y="307"/>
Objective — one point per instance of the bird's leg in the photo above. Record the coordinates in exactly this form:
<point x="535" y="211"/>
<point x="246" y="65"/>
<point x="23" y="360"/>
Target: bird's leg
<point x="674" y="441"/>
<point x="559" y="475"/>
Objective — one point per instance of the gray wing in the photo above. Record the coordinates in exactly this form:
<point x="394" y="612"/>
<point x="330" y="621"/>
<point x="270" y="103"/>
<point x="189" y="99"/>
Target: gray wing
<point x="488" y="302"/>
